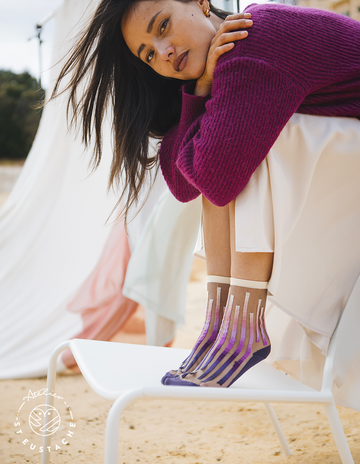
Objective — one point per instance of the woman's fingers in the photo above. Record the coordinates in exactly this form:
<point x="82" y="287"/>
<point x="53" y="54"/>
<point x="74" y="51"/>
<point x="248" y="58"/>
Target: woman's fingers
<point x="240" y="20"/>
<point x="231" y="26"/>
<point x="235" y="24"/>
<point x="237" y="15"/>
<point x="229" y="37"/>
<point x="225" y="38"/>
<point x="223" y="42"/>
<point x="220" y="50"/>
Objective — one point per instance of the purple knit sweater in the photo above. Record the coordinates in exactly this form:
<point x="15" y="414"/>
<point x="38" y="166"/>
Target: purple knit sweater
<point x="294" y="60"/>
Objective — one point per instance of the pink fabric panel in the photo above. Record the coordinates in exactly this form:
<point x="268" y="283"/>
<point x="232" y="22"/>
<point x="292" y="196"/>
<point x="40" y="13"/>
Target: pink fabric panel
<point x="100" y="301"/>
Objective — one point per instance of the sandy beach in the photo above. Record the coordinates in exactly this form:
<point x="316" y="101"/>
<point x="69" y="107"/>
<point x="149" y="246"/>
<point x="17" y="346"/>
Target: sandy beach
<point x="174" y="432"/>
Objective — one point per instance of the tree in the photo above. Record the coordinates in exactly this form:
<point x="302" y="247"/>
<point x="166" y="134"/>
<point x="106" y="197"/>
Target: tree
<point x="19" y="119"/>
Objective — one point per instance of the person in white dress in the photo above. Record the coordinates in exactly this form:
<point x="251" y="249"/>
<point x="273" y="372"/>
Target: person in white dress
<point x="288" y="202"/>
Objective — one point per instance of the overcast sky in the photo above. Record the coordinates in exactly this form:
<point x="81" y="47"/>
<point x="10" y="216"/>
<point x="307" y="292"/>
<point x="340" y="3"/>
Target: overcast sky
<point x="18" y="19"/>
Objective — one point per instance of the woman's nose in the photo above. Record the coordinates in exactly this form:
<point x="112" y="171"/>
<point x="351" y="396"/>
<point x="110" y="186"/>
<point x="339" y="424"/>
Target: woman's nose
<point x="166" y="51"/>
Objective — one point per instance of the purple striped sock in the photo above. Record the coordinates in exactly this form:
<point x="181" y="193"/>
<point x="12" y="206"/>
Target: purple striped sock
<point x="217" y="293"/>
<point x="241" y="342"/>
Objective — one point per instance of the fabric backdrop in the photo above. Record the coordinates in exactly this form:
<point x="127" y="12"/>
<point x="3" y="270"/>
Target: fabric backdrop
<point x="56" y="281"/>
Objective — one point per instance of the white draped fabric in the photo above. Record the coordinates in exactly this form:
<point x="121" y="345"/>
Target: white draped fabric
<point x="303" y="203"/>
<point x="53" y="233"/>
<point x="159" y="267"/>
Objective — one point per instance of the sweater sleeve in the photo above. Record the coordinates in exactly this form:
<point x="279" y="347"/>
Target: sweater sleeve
<point x="224" y="145"/>
<point x="192" y="108"/>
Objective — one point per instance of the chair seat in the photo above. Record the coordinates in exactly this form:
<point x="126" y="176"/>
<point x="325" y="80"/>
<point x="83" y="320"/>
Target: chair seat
<point x="113" y="368"/>
<point x="123" y="373"/>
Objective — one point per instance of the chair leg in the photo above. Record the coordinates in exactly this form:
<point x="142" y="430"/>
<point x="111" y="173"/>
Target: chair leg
<point x="279" y="432"/>
<point x="112" y="424"/>
<point x="51" y="378"/>
<point x="338" y="433"/>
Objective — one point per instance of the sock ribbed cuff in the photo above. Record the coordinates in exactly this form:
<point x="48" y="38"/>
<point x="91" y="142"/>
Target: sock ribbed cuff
<point x="218" y="279"/>
<point x="248" y="283"/>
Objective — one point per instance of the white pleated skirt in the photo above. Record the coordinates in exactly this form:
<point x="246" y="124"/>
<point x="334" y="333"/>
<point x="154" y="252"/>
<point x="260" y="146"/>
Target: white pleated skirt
<point x="303" y="203"/>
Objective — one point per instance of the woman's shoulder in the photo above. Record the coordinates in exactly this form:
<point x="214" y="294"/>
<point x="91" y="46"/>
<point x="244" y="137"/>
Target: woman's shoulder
<point x="281" y="32"/>
<point x="283" y="11"/>
<point x="288" y="19"/>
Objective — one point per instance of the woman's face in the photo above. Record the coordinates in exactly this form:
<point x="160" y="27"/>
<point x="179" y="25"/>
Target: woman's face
<point x="170" y="36"/>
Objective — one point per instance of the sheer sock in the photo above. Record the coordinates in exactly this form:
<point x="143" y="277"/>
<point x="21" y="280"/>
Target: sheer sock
<point x="241" y="342"/>
<point x="217" y="292"/>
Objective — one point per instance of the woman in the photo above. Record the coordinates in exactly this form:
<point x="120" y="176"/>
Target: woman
<point x="240" y="97"/>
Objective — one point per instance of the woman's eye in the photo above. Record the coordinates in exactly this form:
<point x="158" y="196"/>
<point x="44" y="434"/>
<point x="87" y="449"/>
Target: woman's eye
<point x="163" y="26"/>
<point x="150" y="57"/>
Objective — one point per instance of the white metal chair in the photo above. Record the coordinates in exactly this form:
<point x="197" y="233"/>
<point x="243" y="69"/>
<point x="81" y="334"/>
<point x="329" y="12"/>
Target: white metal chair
<point x="263" y="383"/>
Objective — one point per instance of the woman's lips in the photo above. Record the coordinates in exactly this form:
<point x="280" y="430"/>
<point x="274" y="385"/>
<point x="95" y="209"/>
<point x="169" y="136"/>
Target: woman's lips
<point x="180" y="62"/>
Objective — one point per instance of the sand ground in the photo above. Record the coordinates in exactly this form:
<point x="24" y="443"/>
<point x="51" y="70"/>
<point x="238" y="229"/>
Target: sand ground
<point x="174" y="432"/>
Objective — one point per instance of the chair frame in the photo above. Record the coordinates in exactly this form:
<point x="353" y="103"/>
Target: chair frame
<point x="324" y="397"/>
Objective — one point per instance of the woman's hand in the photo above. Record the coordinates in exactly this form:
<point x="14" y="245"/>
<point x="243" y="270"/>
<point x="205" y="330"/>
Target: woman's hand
<point x="220" y="44"/>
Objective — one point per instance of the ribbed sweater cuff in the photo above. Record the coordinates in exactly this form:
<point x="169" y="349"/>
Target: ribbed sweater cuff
<point x="192" y="106"/>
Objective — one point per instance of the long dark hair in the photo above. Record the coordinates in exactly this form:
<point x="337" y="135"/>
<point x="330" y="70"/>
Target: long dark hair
<point x="144" y="103"/>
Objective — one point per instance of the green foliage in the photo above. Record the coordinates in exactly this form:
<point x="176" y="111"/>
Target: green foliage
<point x="19" y="120"/>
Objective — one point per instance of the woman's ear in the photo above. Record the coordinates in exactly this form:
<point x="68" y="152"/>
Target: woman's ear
<point x="205" y="7"/>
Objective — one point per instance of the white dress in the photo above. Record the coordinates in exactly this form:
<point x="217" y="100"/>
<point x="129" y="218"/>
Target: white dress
<point x="303" y="203"/>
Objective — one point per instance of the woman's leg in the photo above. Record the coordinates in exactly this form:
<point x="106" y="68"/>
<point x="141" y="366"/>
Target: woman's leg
<point x="242" y="340"/>
<point x="216" y="226"/>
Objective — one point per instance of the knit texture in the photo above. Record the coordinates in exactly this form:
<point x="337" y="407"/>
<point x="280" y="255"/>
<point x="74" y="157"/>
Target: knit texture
<point x="294" y="60"/>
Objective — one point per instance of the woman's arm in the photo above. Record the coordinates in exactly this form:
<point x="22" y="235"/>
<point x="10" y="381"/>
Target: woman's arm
<point x="251" y="104"/>
<point x="192" y="108"/>
<point x="194" y="99"/>
<point x="217" y="150"/>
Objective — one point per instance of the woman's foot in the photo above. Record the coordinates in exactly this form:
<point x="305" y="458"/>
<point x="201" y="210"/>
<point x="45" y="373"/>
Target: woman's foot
<point x="217" y="293"/>
<point x="241" y="342"/>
